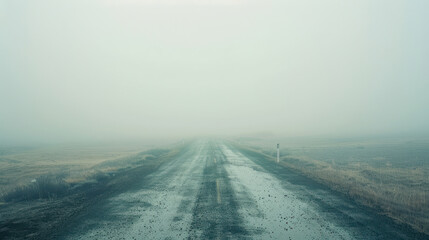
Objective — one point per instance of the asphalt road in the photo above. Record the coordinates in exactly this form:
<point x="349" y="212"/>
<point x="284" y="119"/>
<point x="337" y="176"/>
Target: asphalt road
<point x="213" y="191"/>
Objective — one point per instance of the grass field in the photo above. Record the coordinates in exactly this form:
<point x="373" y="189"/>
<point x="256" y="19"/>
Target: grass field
<point x="45" y="188"/>
<point x="390" y="175"/>
<point x="20" y="166"/>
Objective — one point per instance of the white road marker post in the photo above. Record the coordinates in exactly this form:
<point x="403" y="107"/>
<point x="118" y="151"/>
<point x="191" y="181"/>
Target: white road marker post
<point x="278" y="153"/>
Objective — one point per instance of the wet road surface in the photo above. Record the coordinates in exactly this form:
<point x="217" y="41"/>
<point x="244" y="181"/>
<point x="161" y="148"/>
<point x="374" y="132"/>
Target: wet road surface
<point x="213" y="191"/>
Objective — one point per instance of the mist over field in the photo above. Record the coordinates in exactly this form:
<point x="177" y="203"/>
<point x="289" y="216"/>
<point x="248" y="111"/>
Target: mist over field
<point x="140" y="69"/>
<point x="214" y="119"/>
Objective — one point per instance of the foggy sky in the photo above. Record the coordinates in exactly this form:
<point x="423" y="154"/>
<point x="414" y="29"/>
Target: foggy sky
<point x="94" y="69"/>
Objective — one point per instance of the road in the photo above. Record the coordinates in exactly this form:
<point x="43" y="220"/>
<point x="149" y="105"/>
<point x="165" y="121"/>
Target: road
<point x="213" y="191"/>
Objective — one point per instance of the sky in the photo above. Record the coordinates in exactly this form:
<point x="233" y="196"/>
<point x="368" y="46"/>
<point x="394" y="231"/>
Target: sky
<point x="108" y="69"/>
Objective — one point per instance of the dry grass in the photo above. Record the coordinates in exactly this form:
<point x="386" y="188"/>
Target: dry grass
<point x="43" y="187"/>
<point x="399" y="192"/>
<point x="44" y="208"/>
<point x="67" y="164"/>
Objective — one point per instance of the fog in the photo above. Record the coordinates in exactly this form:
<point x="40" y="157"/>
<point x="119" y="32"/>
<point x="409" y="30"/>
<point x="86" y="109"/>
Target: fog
<point x="96" y="70"/>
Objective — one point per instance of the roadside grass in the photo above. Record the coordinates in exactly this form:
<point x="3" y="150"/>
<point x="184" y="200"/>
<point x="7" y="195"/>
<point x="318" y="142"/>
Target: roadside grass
<point x="19" y="166"/>
<point x="53" y="182"/>
<point x="401" y="193"/>
<point x="43" y="187"/>
<point x="42" y="209"/>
